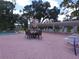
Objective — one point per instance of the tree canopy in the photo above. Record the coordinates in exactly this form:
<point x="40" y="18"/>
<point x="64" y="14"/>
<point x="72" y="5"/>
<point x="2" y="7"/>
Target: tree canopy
<point x="73" y="4"/>
<point x="6" y="15"/>
<point x="39" y="9"/>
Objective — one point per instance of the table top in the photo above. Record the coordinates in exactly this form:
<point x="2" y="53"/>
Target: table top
<point x="72" y="38"/>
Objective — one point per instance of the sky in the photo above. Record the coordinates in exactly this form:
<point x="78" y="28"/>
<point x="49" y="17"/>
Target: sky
<point x="21" y="3"/>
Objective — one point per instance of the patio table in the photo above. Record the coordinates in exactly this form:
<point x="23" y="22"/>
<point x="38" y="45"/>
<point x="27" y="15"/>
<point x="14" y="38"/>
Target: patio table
<point x="74" y="41"/>
<point x="33" y="34"/>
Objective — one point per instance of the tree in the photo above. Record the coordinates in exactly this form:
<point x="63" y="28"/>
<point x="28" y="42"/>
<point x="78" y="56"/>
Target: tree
<point x="71" y="4"/>
<point x="6" y="13"/>
<point x="39" y="9"/>
<point x="29" y="11"/>
<point x="24" y="21"/>
<point x="6" y="6"/>
<point x="53" y="13"/>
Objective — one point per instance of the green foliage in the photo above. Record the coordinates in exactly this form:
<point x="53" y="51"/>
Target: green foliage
<point x="71" y="4"/>
<point x="67" y="3"/>
<point x="75" y="13"/>
<point x="6" y="16"/>
<point x="53" y="13"/>
<point x="69" y="29"/>
<point x="39" y="9"/>
<point x="6" y="6"/>
<point x="23" y="22"/>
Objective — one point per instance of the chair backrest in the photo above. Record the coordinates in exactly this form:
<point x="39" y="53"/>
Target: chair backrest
<point x="40" y="32"/>
<point x="27" y="32"/>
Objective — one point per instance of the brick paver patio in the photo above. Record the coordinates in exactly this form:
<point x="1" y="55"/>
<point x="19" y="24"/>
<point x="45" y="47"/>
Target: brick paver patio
<point x="52" y="46"/>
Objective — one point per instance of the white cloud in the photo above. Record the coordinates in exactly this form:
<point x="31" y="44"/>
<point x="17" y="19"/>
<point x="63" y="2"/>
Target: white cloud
<point x="8" y="0"/>
<point x="61" y="17"/>
<point x="27" y="2"/>
<point x="23" y="2"/>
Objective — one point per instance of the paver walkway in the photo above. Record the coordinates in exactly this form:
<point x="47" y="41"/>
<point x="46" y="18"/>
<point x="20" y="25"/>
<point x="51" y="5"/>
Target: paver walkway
<point x="52" y="46"/>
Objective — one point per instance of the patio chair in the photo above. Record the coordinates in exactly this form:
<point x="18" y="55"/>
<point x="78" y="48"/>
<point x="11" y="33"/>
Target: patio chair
<point x="39" y="34"/>
<point x="27" y="33"/>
